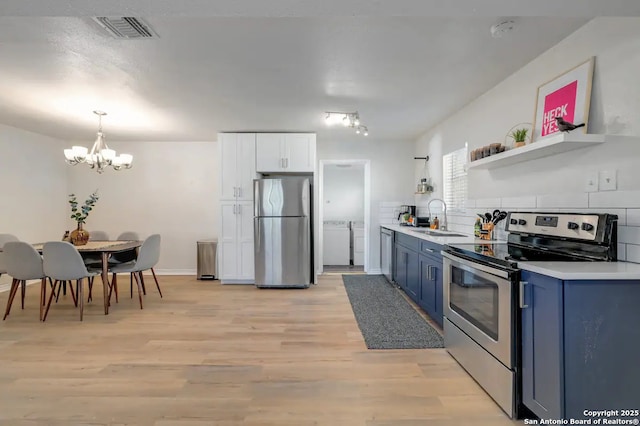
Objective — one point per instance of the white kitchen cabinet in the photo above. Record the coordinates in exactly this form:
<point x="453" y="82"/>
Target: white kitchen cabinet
<point x="235" y="242"/>
<point x="238" y="165"/>
<point x="285" y="152"/>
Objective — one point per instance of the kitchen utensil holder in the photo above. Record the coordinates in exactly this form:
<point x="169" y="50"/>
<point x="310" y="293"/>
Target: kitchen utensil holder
<point x="486" y="233"/>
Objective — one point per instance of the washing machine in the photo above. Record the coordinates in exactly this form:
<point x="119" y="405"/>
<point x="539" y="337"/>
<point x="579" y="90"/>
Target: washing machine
<point x="335" y="243"/>
<point x="357" y="242"/>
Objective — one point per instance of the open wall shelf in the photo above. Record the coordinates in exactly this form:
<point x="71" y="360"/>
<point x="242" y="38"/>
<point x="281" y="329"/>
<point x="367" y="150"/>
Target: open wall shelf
<point x="551" y="145"/>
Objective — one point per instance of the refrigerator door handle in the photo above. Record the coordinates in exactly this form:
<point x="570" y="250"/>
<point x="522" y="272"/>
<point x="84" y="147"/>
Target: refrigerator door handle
<point x="239" y="209"/>
<point x="286" y="163"/>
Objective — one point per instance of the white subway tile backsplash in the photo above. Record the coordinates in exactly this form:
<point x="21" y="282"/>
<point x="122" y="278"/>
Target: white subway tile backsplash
<point x="629" y="234"/>
<point x="518" y="202"/>
<point x="493" y="203"/>
<point x="633" y="253"/>
<point x="633" y="217"/>
<point x="623" y="199"/>
<point x="622" y="251"/>
<point x="470" y="203"/>
<point x="572" y="200"/>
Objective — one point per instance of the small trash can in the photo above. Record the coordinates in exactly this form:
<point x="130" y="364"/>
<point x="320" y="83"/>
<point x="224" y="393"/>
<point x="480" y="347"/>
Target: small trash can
<point x="206" y="267"/>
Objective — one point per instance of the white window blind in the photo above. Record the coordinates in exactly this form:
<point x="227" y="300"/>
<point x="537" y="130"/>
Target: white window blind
<point x="455" y="178"/>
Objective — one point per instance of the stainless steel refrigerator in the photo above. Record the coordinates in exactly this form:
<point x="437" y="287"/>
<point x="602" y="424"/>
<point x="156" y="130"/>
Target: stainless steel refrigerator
<point x="282" y="232"/>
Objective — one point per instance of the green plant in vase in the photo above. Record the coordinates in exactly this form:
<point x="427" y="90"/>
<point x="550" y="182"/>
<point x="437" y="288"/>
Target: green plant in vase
<point x="519" y="136"/>
<point x="79" y="236"/>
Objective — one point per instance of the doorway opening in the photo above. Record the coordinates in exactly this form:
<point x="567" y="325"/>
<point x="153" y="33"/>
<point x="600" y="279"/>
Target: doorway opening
<point x="344" y="215"/>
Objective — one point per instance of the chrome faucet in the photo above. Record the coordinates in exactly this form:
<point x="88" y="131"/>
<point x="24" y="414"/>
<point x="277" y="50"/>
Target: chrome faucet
<point x="443" y="224"/>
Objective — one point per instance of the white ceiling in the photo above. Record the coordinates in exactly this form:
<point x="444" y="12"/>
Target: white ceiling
<point x="241" y="66"/>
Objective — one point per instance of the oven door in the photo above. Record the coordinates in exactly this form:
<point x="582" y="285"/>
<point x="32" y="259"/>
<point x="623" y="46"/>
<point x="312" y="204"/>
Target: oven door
<point x="478" y="300"/>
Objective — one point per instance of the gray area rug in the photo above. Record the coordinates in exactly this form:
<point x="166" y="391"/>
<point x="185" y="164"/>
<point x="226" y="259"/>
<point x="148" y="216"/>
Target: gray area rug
<point x="385" y="318"/>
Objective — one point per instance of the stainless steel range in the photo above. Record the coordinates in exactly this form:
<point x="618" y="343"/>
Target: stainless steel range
<point x="482" y="291"/>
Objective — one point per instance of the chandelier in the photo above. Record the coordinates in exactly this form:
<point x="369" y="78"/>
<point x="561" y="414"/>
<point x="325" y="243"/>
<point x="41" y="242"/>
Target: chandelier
<point x="100" y="156"/>
<point x="347" y="119"/>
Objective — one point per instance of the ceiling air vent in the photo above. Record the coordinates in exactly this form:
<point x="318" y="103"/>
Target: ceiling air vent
<point x="126" y="27"/>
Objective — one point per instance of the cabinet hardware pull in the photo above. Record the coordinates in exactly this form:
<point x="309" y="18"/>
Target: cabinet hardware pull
<point x="239" y="208"/>
<point x="430" y="250"/>
<point x="239" y="192"/>
<point x="522" y="286"/>
<point x="234" y="209"/>
<point x="429" y="272"/>
<point x="286" y="163"/>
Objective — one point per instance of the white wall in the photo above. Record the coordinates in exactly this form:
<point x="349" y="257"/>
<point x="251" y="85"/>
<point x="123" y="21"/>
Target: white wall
<point x="172" y="190"/>
<point x="33" y="179"/>
<point x="558" y="182"/>
<point x="391" y="179"/>
<point x="343" y="193"/>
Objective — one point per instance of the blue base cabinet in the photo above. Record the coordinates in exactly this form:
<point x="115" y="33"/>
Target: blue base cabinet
<point x="418" y="271"/>
<point x="431" y="287"/>
<point x="580" y="346"/>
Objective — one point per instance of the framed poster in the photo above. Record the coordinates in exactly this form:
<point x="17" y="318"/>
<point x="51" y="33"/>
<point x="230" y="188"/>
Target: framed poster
<point x="567" y="96"/>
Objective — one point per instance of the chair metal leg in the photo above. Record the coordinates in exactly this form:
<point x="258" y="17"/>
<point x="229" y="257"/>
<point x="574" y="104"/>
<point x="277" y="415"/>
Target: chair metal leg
<point x="53" y="292"/>
<point x="12" y="293"/>
<point x="144" y="290"/>
<point x="43" y="295"/>
<point x="80" y="284"/>
<point x="89" y="298"/>
<point x="131" y="284"/>
<point x="73" y="294"/>
<point x="113" y="287"/>
<point x="139" y="289"/>
<point x="156" y="280"/>
<point x="23" y="287"/>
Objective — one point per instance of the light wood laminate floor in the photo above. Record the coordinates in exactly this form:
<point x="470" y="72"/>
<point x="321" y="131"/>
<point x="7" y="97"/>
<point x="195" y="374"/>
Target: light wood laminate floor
<point x="209" y="354"/>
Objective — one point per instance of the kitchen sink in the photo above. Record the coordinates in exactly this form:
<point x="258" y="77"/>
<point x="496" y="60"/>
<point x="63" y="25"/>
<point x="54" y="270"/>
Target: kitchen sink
<point x="436" y="233"/>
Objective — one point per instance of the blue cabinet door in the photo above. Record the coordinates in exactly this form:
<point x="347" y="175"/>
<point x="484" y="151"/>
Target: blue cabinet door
<point x="413" y="276"/>
<point x="437" y="277"/>
<point x="400" y="266"/>
<point x="431" y="286"/>
<point x="542" y="346"/>
<point x="427" y="299"/>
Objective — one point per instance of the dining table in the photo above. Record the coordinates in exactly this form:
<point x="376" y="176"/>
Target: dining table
<point x="104" y="249"/>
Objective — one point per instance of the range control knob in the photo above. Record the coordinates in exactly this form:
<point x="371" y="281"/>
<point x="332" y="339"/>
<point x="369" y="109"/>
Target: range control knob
<point x="513" y="221"/>
<point x="573" y="225"/>
<point x="522" y="222"/>
<point x="587" y="226"/>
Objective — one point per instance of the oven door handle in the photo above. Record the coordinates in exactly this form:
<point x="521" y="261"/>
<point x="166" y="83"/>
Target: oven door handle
<point x="471" y="266"/>
<point x="523" y="284"/>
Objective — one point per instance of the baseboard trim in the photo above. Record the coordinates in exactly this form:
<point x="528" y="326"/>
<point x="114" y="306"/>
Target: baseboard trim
<point x="173" y="272"/>
<point x="376" y="271"/>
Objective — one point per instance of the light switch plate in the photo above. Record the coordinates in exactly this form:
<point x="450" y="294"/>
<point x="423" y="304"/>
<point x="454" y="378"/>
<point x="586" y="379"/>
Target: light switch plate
<point x="608" y="180"/>
<point x="591" y="183"/>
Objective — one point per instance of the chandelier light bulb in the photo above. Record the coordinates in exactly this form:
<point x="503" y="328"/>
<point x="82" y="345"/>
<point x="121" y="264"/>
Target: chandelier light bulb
<point x="358" y="130"/>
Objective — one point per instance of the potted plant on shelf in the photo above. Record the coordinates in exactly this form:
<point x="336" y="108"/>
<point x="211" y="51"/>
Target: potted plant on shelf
<point x="519" y="136"/>
<point x="79" y="236"/>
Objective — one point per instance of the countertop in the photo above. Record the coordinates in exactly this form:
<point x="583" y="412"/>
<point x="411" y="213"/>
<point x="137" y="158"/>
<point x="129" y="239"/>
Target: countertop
<point x="560" y="270"/>
<point x="585" y="270"/>
<point x="412" y="231"/>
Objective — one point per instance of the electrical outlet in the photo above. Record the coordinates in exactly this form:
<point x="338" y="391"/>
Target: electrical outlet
<point x="607" y="180"/>
<point x="591" y="184"/>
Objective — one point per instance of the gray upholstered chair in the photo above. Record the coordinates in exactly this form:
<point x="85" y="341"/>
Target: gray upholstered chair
<point x="62" y="262"/>
<point x="91" y="259"/>
<point x="23" y="263"/>
<point x="148" y="257"/>
<point x="124" y="257"/>
<point x="5" y="238"/>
